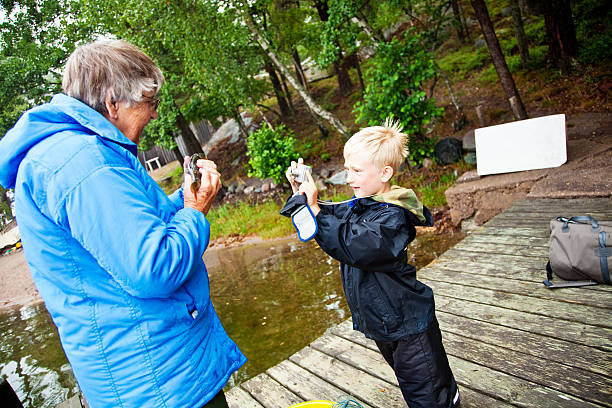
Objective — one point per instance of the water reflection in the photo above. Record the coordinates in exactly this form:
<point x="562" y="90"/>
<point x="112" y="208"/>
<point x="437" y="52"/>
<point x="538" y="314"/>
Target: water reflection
<point x="32" y="359"/>
<point x="273" y="299"/>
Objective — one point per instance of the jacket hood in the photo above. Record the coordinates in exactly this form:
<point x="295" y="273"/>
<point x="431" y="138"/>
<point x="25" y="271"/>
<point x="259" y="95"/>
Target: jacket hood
<point x="405" y="198"/>
<point x="61" y="114"/>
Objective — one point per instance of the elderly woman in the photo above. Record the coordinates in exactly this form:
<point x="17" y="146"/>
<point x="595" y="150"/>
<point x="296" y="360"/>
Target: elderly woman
<point x="117" y="262"/>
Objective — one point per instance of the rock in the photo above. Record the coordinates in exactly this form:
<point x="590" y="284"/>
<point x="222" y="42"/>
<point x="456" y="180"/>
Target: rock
<point x="448" y="150"/>
<point x="338" y="178"/>
<point x="470" y="158"/>
<point x="468" y="176"/>
<point x="232" y="188"/>
<point x="265" y="187"/>
<point x="479" y="43"/>
<point x="469" y="141"/>
<point x="229" y="130"/>
<point x="320" y="185"/>
<point x="249" y="189"/>
<point x="427" y="163"/>
<point x="257" y="190"/>
<point x="324" y="173"/>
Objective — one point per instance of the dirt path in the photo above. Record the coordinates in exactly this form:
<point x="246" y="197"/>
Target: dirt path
<point x="16" y="285"/>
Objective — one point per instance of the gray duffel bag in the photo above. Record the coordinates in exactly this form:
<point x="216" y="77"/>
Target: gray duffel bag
<point x="580" y="249"/>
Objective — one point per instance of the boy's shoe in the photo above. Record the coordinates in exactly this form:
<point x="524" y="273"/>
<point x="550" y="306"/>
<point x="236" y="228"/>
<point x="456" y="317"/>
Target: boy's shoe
<point x="456" y="400"/>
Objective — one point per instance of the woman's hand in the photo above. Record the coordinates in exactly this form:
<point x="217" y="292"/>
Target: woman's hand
<point x="309" y="188"/>
<point x="209" y="186"/>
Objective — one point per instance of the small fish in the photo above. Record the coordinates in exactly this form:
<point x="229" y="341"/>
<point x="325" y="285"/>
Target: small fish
<point x="194" y="171"/>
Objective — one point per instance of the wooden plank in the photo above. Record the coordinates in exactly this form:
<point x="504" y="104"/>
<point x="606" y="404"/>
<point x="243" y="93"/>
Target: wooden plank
<point x="364" y="359"/>
<point x="491" y="266"/>
<point x="548" y="215"/>
<point x="74" y="402"/>
<point x="373" y="391"/>
<point x="238" y="398"/>
<point x="599" y="202"/>
<point x="503" y="222"/>
<point x="508" y="388"/>
<point x="581" y="384"/>
<point x="438" y="273"/>
<point x="542" y="309"/>
<point x="519" y="250"/>
<point x="514" y="231"/>
<point x="485" y="380"/>
<point x="474" y="399"/>
<point x="305" y="384"/>
<point x="570" y="354"/>
<point x="270" y="393"/>
<point x="516" y="262"/>
<point x="574" y="332"/>
<point x="531" y="242"/>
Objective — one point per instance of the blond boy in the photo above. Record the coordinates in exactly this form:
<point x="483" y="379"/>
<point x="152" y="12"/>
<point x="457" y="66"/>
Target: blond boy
<point x="369" y="236"/>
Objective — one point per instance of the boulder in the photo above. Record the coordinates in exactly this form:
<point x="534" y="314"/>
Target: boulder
<point x="229" y="130"/>
<point x="448" y="150"/>
<point x="469" y="141"/>
<point x="338" y="178"/>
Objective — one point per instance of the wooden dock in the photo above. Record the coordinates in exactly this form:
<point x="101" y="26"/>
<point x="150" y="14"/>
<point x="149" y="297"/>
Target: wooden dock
<point x="511" y="342"/>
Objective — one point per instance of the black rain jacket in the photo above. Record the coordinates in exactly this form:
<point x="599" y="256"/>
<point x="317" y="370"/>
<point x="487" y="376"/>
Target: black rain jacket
<point x="369" y="238"/>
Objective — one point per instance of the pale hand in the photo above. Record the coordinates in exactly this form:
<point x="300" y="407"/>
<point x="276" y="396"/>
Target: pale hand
<point x="209" y="186"/>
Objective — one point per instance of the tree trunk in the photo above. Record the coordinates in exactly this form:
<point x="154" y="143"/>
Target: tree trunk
<point x="177" y="155"/>
<point x="192" y="145"/>
<point x="345" y="85"/>
<point x="278" y="90"/>
<point x="499" y="62"/>
<point x="241" y="125"/>
<point x="521" y="38"/>
<point x="458" y="23"/>
<point x="288" y="93"/>
<point x="315" y="108"/>
<point x="299" y="71"/>
<point x="562" y="43"/>
<point x="354" y="58"/>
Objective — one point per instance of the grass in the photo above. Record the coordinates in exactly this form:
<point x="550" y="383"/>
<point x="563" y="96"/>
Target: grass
<point x="261" y="219"/>
<point x="432" y="194"/>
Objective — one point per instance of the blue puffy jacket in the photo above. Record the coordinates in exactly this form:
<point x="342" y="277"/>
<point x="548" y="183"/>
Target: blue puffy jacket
<point x="117" y="262"/>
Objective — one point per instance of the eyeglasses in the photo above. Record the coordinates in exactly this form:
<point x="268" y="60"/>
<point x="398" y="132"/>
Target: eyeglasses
<point x="153" y="102"/>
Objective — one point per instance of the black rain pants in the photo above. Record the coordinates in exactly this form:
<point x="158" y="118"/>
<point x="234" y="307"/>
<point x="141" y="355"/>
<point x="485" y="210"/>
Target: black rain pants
<point x="421" y="367"/>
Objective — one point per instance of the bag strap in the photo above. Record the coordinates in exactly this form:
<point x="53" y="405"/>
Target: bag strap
<point x="603" y="254"/>
<point x="582" y="219"/>
<point x="564" y="284"/>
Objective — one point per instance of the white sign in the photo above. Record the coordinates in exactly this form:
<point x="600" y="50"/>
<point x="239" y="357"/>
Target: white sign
<point x="538" y="143"/>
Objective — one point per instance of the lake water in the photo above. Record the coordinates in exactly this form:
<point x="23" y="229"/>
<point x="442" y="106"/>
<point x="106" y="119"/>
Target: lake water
<point x="273" y="298"/>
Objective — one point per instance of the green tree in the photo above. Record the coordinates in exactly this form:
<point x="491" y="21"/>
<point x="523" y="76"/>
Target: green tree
<point x="36" y="37"/>
<point x="270" y="152"/>
<point x="204" y="53"/>
<point x="394" y="86"/>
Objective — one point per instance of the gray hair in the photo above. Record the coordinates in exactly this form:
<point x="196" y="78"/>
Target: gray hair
<point x="110" y="68"/>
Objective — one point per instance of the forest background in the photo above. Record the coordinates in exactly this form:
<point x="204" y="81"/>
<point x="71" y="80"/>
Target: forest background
<point x="425" y="63"/>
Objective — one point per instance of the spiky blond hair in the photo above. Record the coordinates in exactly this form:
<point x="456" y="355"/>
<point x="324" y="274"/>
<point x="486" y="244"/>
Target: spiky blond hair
<point x="386" y="144"/>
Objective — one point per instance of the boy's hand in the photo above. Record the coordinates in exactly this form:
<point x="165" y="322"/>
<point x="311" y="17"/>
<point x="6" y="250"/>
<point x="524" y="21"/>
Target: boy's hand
<point x="309" y="188"/>
<point x="294" y="186"/>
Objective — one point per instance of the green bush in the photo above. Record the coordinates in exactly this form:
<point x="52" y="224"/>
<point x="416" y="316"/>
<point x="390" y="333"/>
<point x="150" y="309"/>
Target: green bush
<point x="270" y="152"/>
<point x="394" y="86"/>
<point x="420" y="149"/>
